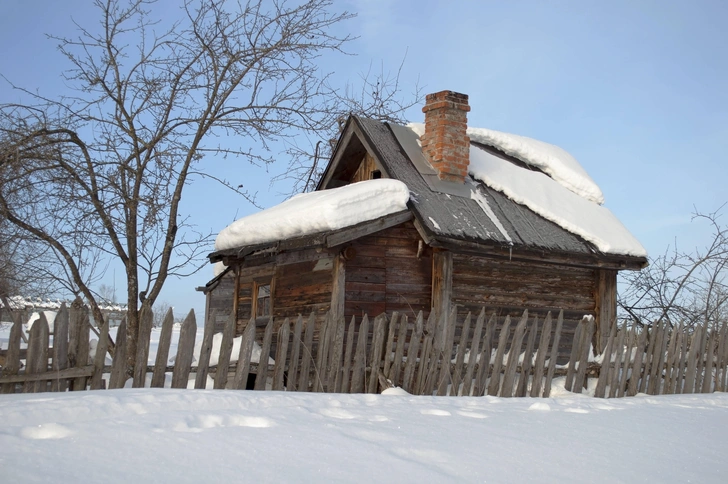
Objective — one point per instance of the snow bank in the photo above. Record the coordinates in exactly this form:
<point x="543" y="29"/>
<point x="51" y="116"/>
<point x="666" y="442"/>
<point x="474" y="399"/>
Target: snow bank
<point x="309" y="213"/>
<point x="181" y="436"/>
<point x="593" y="222"/>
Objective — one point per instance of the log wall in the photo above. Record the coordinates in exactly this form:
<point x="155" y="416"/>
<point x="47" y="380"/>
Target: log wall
<point x="385" y="274"/>
<point x="509" y="287"/>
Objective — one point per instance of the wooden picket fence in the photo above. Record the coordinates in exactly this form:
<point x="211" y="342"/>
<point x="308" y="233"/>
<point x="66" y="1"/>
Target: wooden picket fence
<point x="471" y="356"/>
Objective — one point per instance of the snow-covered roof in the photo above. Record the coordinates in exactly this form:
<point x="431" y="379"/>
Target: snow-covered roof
<point x="559" y="190"/>
<point x="320" y="211"/>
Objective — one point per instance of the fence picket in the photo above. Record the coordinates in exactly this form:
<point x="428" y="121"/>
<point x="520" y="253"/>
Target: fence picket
<point x="185" y="348"/>
<point x="615" y="376"/>
<point x="12" y="358"/>
<point x="649" y="353"/>
<point x="541" y="357"/>
<point x="36" y="361"/>
<point x="630" y="342"/>
<point x="359" y="367"/>
<point x="457" y="371"/>
<point x="143" y="338"/>
<point x="634" y="380"/>
<point x="604" y="371"/>
<point x="513" y="355"/>
<point x="305" y="377"/>
<point x="723" y="361"/>
<point x="495" y="380"/>
<point x="223" y="359"/>
<point x="658" y="360"/>
<point x="396" y="370"/>
<point x="284" y="333"/>
<point x="295" y="355"/>
<point x="522" y="387"/>
<point x="708" y="368"/>
<point x="692" y="361"/>
<point x="423" y="367"/>
<point x="473" y="354"/>
<point x="118" y="377"/>
<point x="408" y="378"/>
<point x="670" y="360"/>
<point x="261" y="377"/>
<point x="378" y="340"/>
<point x="700" y="366"/>
<point x="337" y="350"/>
<point x="60" y="347"/>
<point x="346" y="375"/>
<point x="319" y="364"/>
<point x="574" y="357"/>
<point x="97" y="382"/>
<point x="481" y="380"/>
<point x="445" y="375"/>
<point x="165" y="340"/>
<point x="242" y="370"/>
<point x="389" y="346"/>
<point x="554" y="355"/>
<point x="203" y="363"/>
<point x="82" y="348"/>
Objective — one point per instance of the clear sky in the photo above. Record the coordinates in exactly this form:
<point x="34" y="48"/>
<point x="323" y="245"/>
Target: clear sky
<point x="635" y="90"/>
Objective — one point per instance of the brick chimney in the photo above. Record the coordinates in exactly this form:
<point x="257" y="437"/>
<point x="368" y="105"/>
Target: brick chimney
<point x="445" y="144"/>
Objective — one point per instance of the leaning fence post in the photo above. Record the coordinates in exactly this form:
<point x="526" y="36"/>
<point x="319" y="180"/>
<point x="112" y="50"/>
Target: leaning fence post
<point x="185" y="348"/>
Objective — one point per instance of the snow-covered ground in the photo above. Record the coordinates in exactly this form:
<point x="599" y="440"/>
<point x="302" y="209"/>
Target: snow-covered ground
<point x="244" y="436"/>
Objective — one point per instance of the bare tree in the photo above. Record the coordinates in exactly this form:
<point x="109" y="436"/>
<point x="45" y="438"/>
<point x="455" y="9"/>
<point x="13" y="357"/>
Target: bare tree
<point x="100" y="174"/>
<point x="379" y="96"/>
<point x="682" y="287"/>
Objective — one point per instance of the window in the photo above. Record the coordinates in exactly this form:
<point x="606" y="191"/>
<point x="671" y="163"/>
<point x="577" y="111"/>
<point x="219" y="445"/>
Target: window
<point x="262" y="300"/>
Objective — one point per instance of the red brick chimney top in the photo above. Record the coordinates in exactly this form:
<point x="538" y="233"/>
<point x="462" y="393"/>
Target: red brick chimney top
<point x="445" y="143"/>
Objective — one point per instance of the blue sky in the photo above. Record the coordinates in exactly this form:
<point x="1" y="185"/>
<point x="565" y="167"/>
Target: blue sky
<point x="634" y="90"/>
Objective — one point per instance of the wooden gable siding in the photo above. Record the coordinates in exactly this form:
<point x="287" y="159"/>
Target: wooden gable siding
<point x="509" y="287"/>
<point x="365" y="169"/>
<point x="386" y="274"/>
<point x="220" y="300"/>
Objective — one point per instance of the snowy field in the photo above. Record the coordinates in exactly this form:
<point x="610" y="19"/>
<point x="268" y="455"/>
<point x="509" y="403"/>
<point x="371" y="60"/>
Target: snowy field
<point x="243" y="436"/>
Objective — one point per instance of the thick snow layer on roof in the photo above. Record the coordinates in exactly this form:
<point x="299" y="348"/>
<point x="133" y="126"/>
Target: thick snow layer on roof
<point x="580" y="216"/>
<point x="550" y="159"/>
<point x="309" y="213"/>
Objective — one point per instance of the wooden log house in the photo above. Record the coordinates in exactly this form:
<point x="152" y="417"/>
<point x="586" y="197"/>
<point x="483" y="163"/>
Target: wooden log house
<point x="447" y="248"/>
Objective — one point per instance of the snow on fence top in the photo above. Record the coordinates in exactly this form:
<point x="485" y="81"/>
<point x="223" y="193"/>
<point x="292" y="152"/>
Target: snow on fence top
<point x="561" y="192"/>
<point x="310" y="213"/>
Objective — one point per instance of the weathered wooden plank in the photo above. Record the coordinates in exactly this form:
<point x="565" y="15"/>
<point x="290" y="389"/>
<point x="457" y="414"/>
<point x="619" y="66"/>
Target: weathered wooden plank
<point x="82" y="348"/>
<point x="495" y="379"/>
<point x="658" y="359"/>
<point x="442" y="289"/>
<point x="12" y="358"/>
<point x="722" y="369"/>
<point x="37" y="360"/>
<point x="679" y="382"/>
<point x="428" y="334"/>
<point x="85" y="372"/>
<point x="554" y="355"/>
<point x="619" y="351"/>
<point x="668" y="386"/>
<point x="143" y="339"/>
<point x="389" y="346"/>
<point x="319" y="363"/>
<point x="522" y="386"/>
<point x="262" y="377"/>
<point x="408" y="377"/>
<point x="708" y="369"/>
<point x="165" y="340"/>
<point x="118" y="375"/>
<point x="284" y="334"/>
<point x="76" y="312"/>
<point x="336" y="369"/>
<point x="636" y="375"/>
<point x="445" y="353"/>
<point x="226" y="348"/>
<point x="473" y="353"/>
<point x="481" y="378"/>
<point x="346" y="373"/>
<point x="433" y="359"/>
<point x="605" y="370"/>
<point x="303" y="381"/>
<point x="700" y="365"/>
<point x="464" y="345"/>
<point x="244" y="356"/>
<point x="574" y="357"/>
<point x="60" y="347"/>
<point x="541" y="357"/>
<point x="378" y="340"/>
<point x="203" y="363"/>
<point x="338" y="290"/>
<point x="97" y="382"/>
<point x="630" y="343"/>
<point x="395" y="373"/>
<point x="185" y="348"/>
<point x="647" y="364"/>
<point x="293" y="365"/>
<point x="692" y="361"/>
<point x="509" y="375"/>
<point x="359" y="366"/>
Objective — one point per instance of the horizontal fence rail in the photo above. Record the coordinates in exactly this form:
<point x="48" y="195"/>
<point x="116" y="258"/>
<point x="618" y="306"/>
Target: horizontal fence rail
<point x="465" y="355"/>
